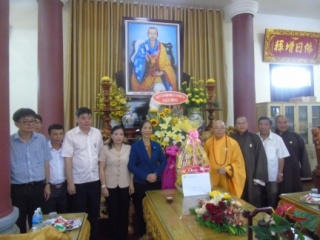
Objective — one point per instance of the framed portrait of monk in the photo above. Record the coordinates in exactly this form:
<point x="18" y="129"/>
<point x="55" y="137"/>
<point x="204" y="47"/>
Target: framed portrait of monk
<point x="152" y="55"/>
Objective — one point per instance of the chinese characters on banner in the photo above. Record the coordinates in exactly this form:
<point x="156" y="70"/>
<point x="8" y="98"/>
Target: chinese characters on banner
<point x="291" y="46"/>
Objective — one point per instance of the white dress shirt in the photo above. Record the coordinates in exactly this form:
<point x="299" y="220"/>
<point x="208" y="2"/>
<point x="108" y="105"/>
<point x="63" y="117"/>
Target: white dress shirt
<point x="275" y="149"/>
<point x="57" y="173"/>
<point x="84" y="149"/>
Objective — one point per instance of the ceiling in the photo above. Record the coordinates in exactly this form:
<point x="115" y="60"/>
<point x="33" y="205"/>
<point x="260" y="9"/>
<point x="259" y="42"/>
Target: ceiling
<point x="292" y="8"/>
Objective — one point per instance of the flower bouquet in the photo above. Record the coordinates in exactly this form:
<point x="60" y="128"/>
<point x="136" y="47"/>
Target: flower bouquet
<point x="285" y="222"/>
<point x="221" y="213"/>
<point x="164" y="122"/>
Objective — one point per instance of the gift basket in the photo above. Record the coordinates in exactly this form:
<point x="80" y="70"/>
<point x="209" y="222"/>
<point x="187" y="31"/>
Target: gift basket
<point x="191" y="157"/>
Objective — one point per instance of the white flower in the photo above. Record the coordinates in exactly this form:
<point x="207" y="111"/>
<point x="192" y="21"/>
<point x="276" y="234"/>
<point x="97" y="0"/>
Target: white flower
<point x="200" y="211"/>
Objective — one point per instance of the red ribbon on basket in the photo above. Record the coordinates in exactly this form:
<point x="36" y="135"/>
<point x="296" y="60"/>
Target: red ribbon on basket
<point x="192" y="139"/>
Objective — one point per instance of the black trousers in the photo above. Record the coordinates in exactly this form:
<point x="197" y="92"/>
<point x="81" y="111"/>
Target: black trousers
<point x="118" y="204"/>
<point x="140" y="193"/>
<point x="27" y="197"/>
<point x="87" y="199"/>
<point x="270" y="194"/>
<point x="57" y="201"/>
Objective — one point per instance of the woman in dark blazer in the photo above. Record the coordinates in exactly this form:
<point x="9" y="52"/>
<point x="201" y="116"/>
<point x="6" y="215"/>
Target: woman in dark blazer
<point x="147" y="162"/>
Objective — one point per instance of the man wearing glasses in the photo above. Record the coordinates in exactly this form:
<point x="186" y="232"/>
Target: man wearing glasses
<point x="30" y="155"/>
<point x="38" y="124"/>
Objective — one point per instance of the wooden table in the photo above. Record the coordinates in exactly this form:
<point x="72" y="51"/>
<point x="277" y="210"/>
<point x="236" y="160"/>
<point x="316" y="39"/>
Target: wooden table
<point x="81" y="233"/>
<point x="173" y="221"/>
<point x="294" y="198"/>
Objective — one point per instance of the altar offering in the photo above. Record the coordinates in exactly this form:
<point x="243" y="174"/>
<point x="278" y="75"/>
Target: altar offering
<point x="192" y="162"/>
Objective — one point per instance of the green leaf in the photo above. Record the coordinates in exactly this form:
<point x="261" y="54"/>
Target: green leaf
<point x="262" y="232"/>
<point x="281" y="224"/>
<point x="192" y="211"/>
<point x="232" y="230"/>
<point x="224" y="227"/>
<point x="300" y="235"/>
<point x="311" y="222"/>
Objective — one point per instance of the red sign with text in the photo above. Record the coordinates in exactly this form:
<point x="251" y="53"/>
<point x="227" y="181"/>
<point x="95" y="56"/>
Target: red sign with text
<point x="169" y="98"/>
<point x="291" y="46"/>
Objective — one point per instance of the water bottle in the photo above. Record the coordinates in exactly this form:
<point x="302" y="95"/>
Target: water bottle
<point x="40" y="215"/>
<point x="35" y="221"/>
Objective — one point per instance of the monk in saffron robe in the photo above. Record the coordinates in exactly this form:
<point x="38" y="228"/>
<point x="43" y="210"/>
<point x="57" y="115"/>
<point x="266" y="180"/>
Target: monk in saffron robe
<point x="297" y="165"/>
<point x="152" y="67"/>
<point x="227" y="166"/>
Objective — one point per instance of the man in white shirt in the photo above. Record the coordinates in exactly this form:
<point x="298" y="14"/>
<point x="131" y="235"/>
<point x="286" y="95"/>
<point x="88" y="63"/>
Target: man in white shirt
<point x="80" y="149"/>
<point x="276" y="152"/>
<point x="58" y="185"/>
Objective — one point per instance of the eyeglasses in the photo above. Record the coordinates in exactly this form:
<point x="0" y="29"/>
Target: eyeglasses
<point x="28" y="122"/>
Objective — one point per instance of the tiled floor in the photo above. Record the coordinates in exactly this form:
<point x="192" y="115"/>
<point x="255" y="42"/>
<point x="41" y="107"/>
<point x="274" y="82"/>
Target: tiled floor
<point x="104" y="235"/>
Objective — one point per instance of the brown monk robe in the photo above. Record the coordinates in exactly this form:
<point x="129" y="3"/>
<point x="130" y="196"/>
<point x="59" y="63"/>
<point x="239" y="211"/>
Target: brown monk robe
<point x="297" y="165"/>
<point x="256" y="162"/>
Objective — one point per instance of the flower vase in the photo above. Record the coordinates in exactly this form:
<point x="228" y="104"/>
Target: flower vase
<point x="128" y="120"/>
<point x="195" y="115"/>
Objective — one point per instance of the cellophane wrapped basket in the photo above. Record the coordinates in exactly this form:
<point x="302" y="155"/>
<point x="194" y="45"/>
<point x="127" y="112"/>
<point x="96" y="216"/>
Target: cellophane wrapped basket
<point x="191" y="157"/>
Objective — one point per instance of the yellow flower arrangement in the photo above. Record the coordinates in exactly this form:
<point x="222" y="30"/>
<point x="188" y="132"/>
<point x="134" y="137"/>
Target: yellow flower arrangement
<point x="100" y="104"/>
<point x="197" y="95"/>
<point x="164" y="122"/>
<point x="220" y="195"/>
<point x="106" y="79"/>
<point x="210" y="81"/>
<point x="117" y="99"/>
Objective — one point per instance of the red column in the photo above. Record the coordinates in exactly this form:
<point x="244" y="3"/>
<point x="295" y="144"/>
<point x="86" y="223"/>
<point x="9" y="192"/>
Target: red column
<point x="5" y="199"/>
<point x="244" y="100"/>
<point x="50" y="62"/>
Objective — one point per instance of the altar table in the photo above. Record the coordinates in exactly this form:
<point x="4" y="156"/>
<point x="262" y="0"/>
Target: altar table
<point x="294" y="198"/>
<point x="173" y="221"/>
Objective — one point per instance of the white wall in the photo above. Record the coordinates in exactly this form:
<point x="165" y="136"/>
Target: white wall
<point x="24" y="52"/>
<point x="23" y="56"/>
<point x="262" y="77"/>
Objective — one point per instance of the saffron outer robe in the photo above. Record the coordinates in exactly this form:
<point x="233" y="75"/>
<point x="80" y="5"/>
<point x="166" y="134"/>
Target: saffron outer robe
<point x="256" y="166"/>
<point x="297" y="165"/>
<point x="225" y="152"/>
<point x="159" y="62"/>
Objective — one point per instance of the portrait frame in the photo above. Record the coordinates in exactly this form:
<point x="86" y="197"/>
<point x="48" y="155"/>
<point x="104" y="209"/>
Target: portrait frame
<point x="140" y="81"/>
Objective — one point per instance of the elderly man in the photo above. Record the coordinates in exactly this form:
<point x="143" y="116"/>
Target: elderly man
<point x="297" y="164"/>
<point x="255" y="160"/>
<point x="276" y="152"/>
<point x="227" y="167"/>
